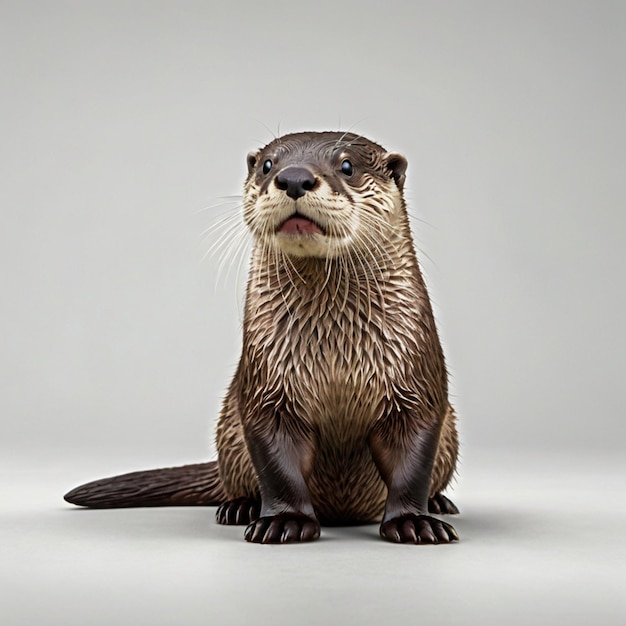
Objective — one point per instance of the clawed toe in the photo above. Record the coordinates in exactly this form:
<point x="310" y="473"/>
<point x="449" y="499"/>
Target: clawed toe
<point x="417" y="529"/>
<point x="441" y="505"/>
<point x="284" y="528"/>
<point x="238" y="512"/>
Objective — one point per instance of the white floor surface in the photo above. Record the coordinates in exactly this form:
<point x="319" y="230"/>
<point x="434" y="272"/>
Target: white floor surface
<point x="542" y="542"/>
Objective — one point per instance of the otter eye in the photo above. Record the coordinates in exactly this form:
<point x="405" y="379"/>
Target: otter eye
<point x="267" y="166"/>
<point x="346" y="167"/>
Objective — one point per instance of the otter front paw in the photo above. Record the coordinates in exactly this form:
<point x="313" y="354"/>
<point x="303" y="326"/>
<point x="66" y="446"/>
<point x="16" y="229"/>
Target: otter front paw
<point x="238" y="512"/>
<point x="283" y="528"/>
<point x="417" y="529"/>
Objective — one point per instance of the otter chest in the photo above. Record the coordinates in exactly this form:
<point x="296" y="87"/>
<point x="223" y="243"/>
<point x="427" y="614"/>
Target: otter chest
<point x="333" y="366"/>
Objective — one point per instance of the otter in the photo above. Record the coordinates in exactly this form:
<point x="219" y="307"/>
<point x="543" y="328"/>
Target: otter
<point x="338" y="411"/>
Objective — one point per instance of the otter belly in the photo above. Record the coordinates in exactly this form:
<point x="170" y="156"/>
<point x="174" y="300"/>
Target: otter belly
<point x="344" y="482"/>
<point x="341" y="407"/>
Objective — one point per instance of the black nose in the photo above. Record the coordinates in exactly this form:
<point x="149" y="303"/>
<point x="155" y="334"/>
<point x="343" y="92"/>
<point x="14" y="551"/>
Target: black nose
<point x="295" y="181"/>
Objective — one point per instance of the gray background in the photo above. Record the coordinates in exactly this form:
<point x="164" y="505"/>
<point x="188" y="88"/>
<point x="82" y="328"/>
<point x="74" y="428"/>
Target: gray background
<point x="122" y="121"/>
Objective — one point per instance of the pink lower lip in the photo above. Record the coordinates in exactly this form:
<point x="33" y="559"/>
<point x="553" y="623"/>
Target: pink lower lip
<point x="300" y="226"/>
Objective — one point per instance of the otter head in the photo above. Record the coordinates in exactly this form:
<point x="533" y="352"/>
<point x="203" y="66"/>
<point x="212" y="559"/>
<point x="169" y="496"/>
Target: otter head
<point x="320" y="194"/>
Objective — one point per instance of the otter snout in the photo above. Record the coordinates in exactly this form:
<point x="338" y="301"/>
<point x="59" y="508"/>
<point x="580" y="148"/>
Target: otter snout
<point x="296" y="181"/>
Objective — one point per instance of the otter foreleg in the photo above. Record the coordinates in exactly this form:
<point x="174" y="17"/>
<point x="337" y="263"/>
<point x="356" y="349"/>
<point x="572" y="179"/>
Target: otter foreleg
<point x="281" y="460"/>
<point x="405" y="464"/>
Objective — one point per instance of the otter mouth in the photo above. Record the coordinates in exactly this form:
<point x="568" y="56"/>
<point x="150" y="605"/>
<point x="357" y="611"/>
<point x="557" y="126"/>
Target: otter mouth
<point x="299" y="225"/>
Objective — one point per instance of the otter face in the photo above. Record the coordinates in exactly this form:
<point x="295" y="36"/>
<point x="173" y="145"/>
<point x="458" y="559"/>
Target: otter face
<point x="319" y="194"/>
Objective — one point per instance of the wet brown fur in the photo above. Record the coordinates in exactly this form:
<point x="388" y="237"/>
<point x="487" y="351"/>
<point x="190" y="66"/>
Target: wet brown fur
<point x="340" y="351"/>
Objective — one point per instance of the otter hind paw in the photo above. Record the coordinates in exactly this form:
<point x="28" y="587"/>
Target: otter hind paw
<point x="440" y="505"/>
<point x="238" y="512"/>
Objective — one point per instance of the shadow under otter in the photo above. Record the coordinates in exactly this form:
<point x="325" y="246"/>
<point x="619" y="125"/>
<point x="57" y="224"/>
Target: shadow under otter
<point x="338" y="412"/>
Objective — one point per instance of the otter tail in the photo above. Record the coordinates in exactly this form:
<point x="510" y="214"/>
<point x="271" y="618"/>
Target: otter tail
<point x="187" y="485"/>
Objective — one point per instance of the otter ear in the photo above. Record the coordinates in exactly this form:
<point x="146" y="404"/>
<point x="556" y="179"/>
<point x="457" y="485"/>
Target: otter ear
<point x="251" y="160"/>
<point x="397" y="165"/>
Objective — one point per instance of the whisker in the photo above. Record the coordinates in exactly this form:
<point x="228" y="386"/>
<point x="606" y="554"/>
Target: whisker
<point x="267" y="128"/>
<point x="229" y="256"/>
<point x="343" y="136"/>
<point x="226" y="237"/>
<point x="222" y="224"/>
<point x="283" y="292"/>
<point x="242" y="252"/>
<point x="226" y="201"/>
